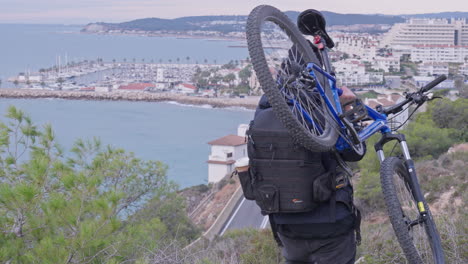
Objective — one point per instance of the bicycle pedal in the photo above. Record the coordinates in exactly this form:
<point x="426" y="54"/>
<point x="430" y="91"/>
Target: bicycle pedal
<point x="356" y="111"/>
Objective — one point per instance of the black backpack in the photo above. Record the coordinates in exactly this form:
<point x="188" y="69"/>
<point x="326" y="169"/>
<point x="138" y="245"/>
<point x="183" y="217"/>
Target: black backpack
<point x="283" y="176"/>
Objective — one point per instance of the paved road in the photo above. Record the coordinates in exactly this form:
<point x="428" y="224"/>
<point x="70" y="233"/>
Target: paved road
<point x="245" y="214"/>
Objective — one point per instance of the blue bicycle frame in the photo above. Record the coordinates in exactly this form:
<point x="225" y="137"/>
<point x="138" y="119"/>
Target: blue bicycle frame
<point x="380" y="120"/>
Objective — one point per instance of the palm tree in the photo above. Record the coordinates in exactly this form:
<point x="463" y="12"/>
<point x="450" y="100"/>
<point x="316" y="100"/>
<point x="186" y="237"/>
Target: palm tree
<point x="16" y="82"/>
<point x="178" y="59"/>
<point x="0" y="83"/>
<point x="188" y="59"/>
<point x="206" y="61"/>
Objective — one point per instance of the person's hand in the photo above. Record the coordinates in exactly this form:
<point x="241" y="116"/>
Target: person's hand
<point x="242" y="169"/>
<point x="347" y="95"/>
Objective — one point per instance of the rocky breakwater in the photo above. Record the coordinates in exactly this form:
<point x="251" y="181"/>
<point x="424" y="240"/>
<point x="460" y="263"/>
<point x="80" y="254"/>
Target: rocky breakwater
<point x="249" y="103"/>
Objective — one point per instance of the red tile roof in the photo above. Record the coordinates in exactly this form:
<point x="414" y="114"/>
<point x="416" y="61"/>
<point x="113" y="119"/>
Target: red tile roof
<point x="439" y="46"/>
<point x="186" y="85"/>
<point x="87" y="89"/>
<point x="136" y="86"/>
<point x="395" y="97"/>
<point x="230" y="140"/>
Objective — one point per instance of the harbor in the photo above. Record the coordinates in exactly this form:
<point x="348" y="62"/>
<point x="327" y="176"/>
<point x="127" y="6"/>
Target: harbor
<point x="188" y="82"/>
<point x="112" y="75"/>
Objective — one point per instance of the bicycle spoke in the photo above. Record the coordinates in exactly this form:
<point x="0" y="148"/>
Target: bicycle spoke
<point x="281" y="48"/>
<point x="411" y="216"/>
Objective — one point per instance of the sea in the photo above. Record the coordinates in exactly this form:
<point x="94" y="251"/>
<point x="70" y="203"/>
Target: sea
<point x="173" y="133"/>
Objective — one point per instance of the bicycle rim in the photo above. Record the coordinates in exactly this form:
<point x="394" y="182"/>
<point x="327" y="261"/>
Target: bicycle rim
<point x="279" y="54"/>
<point x="420" y="242"/>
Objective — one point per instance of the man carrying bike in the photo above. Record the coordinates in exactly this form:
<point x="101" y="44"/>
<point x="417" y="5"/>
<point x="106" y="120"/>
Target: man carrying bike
<point x="318" y="220"/>
<point x="300" y="133"/>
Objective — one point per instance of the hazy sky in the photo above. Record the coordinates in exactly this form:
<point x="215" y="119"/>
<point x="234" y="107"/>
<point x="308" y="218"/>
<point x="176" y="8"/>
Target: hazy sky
<point x="85" y="11"/>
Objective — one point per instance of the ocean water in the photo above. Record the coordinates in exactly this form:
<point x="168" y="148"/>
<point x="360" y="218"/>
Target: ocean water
<point x="173" y="133"/>
<point x="170" y="132"/>
<point x="26" y="48"/>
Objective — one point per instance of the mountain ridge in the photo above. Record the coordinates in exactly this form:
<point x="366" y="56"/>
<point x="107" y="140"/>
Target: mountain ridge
<point x="236" y="23"/>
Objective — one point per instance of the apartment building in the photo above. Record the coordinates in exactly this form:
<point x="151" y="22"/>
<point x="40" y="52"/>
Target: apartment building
<point x="387" y="64"/>
<point x="439" y="53"/>
<point x="352" y="72"/>
<point x="423" y="31"/>
<point x="433" y="68"/>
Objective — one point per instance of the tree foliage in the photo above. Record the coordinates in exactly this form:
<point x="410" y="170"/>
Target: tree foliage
<point x="429" y="135"/>
<point x="79" y="207"/>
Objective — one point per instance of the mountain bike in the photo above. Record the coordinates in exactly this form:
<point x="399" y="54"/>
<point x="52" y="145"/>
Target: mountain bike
<point x="298" y="80"/>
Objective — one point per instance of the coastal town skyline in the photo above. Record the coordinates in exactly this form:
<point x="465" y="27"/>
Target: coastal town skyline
<point x="87" y="11"/>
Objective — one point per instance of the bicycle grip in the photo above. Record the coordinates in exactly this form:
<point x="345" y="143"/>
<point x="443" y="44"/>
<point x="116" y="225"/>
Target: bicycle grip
<point x="435" y="82"/>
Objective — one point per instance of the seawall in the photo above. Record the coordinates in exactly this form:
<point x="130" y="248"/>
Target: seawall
<point x="249" y="103"/>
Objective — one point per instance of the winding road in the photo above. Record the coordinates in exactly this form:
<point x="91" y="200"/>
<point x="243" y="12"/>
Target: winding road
<point x="245" y="214"/>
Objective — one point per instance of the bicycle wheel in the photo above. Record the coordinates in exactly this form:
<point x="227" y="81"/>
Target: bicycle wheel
<point x="418" y="238"/>
<point x="279" y="53"/>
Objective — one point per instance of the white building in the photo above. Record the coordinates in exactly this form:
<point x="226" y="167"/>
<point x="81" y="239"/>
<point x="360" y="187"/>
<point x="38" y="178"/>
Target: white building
<point x="439" y="53"/>
<point x="224" y="153"/>
<point x="35" y="78"/>
<point x="160" y="75"/>
<point x="361" y="45"/>
<point x="433" y="68"/>
<point x="463" y="69"/>
<point x="387" y="64"/>
<point x="102" y="89"/>
<point x="421" y="81"/>
<point x="186" y="88"/>
<point x="352" y="72"/>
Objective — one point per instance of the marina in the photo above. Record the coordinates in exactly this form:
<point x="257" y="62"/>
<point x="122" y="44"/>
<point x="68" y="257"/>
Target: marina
<point x="110" y="76"/>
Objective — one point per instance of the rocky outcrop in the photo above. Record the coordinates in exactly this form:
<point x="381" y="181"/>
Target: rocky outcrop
<point x="94" y="28"/>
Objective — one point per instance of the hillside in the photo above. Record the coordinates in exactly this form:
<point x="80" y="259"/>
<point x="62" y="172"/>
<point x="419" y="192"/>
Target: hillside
<point x="226" y="24"/>
<point x="447" y="15"/>
<point x="443" y="180"/>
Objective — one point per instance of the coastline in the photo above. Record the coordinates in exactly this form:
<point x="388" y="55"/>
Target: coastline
<point x="167" y="35"/>
<point x="248" y="103"/>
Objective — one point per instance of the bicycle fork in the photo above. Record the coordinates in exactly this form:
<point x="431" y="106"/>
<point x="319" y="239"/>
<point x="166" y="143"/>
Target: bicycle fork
<point x="409" y="165"/>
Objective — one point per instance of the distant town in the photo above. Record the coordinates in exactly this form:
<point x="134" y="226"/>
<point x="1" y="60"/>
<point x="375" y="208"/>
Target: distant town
<point x="407" y="56"/>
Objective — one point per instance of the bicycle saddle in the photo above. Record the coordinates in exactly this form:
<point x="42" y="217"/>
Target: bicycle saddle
<point x="311" y="22"/>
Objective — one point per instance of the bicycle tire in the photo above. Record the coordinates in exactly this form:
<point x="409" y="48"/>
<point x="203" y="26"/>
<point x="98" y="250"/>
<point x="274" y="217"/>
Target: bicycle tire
<point x="400" y="206"/>
<point x="301" y="133"/>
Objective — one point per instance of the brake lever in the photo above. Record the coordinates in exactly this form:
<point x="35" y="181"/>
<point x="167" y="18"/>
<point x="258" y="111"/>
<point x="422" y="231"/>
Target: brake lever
<point x="434" y="97"/>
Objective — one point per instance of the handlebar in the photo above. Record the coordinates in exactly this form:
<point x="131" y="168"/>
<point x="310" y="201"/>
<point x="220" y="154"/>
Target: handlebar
<point x="417" y="97"/>
<point x="435" y="82"/>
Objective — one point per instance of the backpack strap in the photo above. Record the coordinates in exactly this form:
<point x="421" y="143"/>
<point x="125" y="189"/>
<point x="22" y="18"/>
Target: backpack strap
<point x="333" y="196"/>
<point x="357" y="224"/>
<point x="274" y="230"/>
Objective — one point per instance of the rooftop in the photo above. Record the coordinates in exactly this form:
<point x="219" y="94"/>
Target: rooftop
<point x="230" y="140"/>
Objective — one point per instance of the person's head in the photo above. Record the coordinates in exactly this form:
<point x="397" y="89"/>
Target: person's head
<point x="310" y="22"/>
